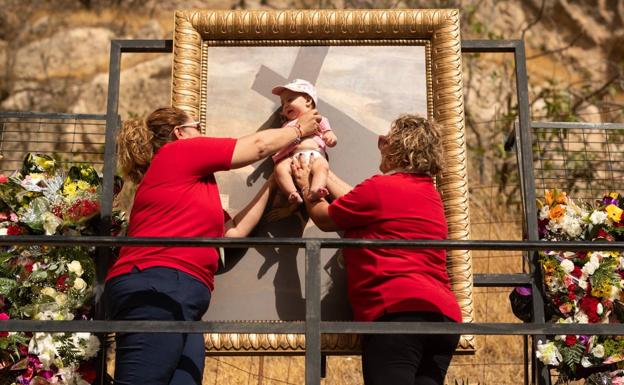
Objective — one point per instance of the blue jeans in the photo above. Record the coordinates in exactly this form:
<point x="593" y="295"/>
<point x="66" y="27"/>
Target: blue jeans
<point x="159" y="294"/>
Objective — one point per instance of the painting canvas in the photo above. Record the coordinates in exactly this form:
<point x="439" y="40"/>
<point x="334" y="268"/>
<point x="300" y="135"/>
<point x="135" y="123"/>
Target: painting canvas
<point x="369" y="67"/>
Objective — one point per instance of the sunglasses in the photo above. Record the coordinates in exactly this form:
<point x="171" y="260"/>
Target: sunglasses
<point x="196" y="125"/>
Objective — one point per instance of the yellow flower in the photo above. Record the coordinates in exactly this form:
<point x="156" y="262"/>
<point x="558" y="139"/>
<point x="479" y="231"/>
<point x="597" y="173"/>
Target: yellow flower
<point x="83" y="185"/>
<point x="70" y="189"/>
<point x="602" y="291"/>
<point x="614" y="195"/>
<point x="614" y="213"/>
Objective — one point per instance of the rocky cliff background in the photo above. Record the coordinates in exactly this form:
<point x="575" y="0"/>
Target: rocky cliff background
<point x="54" y="58"/>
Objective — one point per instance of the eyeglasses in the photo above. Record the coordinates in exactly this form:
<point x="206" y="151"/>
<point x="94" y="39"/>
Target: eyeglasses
<point x="382" y="140"/>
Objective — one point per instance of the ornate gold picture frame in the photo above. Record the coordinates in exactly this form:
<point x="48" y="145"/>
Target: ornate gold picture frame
<point x="435" y="36"/>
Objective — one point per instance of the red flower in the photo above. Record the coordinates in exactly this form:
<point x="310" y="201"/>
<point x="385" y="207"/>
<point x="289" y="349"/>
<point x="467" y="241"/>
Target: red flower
<point x="570" y="340"/>
<point x="582" y="255"/>
<point x="28" y="267"/>
<point x="3" y="178"/>
<point x="87" y="371"/>
<point x="4" y="317"/>
<point x="23" y="350"/>
<point x="60" y="283"/>
<point x="14" y="230"/>
<point x="571" y="294"/>
<point x="589" y="305"/>
<point x="577" y="272"/>
<point x="604" y="235"/>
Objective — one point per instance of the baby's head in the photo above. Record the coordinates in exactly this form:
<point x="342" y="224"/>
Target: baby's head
<point x="297" y="97"/>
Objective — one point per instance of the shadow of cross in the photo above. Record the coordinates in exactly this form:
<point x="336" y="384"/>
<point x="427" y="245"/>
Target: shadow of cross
<point x="355" y="157"/>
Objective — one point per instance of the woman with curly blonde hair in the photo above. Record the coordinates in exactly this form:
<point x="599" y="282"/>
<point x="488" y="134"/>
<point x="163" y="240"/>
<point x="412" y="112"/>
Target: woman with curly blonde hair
<point x="395" y="285"/>
<point x="177" y="196"/>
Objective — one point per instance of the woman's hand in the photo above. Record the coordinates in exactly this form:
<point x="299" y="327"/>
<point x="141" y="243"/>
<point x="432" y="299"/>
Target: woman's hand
<point x="302" y="172"/>
<point x="309" y="122"/>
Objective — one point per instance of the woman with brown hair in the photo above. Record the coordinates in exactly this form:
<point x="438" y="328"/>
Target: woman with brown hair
<point x="177" y="196"/>
<point x="395" y="285"/>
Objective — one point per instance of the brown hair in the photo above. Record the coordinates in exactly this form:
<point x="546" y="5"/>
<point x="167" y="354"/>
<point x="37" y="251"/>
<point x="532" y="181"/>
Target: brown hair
<point x="139" y="139"/>
<point x="415" y="144"/>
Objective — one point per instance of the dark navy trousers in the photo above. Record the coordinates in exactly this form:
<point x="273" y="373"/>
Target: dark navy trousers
<point x="407" y="359"/>
<point x="160" y="294"/>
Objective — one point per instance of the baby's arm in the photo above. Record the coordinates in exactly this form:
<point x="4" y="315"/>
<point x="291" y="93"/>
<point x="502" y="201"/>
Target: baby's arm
<point x="327" y="134"/>
<point x="329" y="138"/>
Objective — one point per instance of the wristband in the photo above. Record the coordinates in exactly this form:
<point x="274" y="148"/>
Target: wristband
<point x="299" y="133"/>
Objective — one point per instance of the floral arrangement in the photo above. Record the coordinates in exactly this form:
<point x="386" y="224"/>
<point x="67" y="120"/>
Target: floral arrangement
<point x="48" y="283"/>
<point x="583" y="287"/>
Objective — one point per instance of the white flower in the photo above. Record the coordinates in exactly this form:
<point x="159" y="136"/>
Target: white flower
<point x="80" y="284"/>
<point x="590" y="267"/>
<point x="585" y="362"/>
<point x="42" y="345"/>
<point x="598" y="351"/>
<point x="582" y="284"/>
<point x="615" y="292"/>
<point x="3" y="231"/>
<point x="49" y="291"/>
<point x="50" y="223"/>
<point x="46" y="315"/>
<point x="61" y="298"/>
<point x="75" y="267"/>
<point x="544" y="213"/>
<point x="567" y="266"/>
<point x="598" y="217"/>
<point x="70" y="376"/>
<point x="581" y="317"/>
<point x="572" y="226"/>
<point x="92" y="348"/>
<point x="596" y="257"/>
<point x="548" y="353"/>
<point x="599" y="309"/>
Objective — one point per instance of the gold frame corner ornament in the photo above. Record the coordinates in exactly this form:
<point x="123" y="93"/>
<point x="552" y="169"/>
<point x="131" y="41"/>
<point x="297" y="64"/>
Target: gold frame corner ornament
<point x="437" y="29"/>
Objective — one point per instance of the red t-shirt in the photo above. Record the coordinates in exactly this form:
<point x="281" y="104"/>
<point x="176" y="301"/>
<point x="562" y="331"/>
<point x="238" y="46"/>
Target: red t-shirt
<point x="179" y="197"/>
<point x="379" y="281"/>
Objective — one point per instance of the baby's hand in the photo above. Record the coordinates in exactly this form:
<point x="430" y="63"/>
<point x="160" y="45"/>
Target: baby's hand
<point x="330" y="138"/>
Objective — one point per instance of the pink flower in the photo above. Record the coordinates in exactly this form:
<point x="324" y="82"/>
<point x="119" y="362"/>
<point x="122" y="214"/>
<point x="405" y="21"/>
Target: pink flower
<point x="3" y="178"/>
<point x="4" y="317"/>
<point x="617" y="381"/>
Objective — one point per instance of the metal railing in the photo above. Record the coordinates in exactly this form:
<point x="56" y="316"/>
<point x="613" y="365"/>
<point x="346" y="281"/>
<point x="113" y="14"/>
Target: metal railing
<point x="313" y="326"/>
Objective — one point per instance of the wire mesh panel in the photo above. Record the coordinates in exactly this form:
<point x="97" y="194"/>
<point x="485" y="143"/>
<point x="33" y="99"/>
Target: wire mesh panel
<point x="583" y="159"/>
<point x="71" y="138"/>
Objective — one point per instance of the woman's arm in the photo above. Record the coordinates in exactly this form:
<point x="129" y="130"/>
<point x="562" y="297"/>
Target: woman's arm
<point x="336" y="186"/>
<point x="317" y="209"/>
<point x="319" y="212"/>
<point x="243" y="222"/>
<point x="259" y="145"/>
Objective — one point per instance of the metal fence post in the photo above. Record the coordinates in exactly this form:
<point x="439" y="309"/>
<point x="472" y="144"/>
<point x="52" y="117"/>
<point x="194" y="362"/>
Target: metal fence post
<point x="313" y="313"/>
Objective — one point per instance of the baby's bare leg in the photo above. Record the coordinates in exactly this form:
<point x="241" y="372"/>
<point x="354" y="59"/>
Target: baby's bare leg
<point x="318" y="186"/>
<point x="284" y="180"/>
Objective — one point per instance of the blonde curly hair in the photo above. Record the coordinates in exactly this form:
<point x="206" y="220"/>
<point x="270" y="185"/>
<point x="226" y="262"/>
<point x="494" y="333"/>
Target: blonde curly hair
<point x="139" y="139"/>
<point x="415" y="144"/>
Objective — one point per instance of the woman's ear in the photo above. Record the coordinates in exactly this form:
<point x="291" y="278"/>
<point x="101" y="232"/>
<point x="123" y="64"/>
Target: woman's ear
<point x="177" y="133"/>
<point x="309" y="102"/>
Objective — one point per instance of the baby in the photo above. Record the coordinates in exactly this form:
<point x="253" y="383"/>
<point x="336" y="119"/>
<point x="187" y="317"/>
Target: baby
<point x="297" y="97"/>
